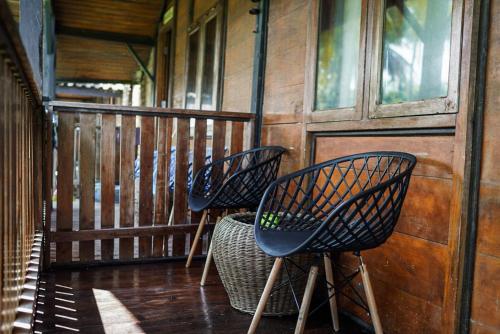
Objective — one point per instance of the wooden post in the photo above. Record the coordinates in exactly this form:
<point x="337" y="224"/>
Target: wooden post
<point x="197" y="238"/>
<point x="331" y="290"/>
<point x="306" y="301"/>
<point x="265" y="295"/>
<point x="370" y="298"/>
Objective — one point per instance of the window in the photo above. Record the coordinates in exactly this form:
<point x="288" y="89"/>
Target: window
<point x="338" y="56"/>
<point x="415" y="50"/>
<point x="406" y="46"/>
<point x="203" y="62"/>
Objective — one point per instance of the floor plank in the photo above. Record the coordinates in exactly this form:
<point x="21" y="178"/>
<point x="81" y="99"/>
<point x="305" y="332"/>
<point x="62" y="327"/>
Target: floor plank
<point x="151" y="298"/>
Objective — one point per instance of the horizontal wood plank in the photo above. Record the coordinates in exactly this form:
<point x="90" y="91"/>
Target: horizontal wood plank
<point x="124" y="232"/>
<point x="77" y="107"/>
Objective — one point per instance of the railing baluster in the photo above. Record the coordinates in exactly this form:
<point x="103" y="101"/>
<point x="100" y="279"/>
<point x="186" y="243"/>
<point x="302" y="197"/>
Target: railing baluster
<point x="127" y="183"/>
<point x="161" y="183"/>
<point x="146" y="182"/>
<point x="65" y="182"/>
<point x="87" y="182"/>
<point x="108" y="139"/>
<point x="199" y="157"/>
<point x="237" y="130"/>
<point x="180" y="188"/>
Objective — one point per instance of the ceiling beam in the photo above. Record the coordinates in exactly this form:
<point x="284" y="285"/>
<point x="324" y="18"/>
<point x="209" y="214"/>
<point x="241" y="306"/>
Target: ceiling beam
<point x="105" y="35"/>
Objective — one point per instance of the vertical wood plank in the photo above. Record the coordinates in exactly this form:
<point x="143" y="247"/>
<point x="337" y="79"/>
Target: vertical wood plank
<point x="199" y="154"/>
<point x="180" y="188"/>
<point x="64" y="214"/>
<point x="219" y="140"/>
<point x="237" y="130"/>
<point x="146" y="183"/>
<point x="127" y="155"/>
<point x="218" y="146"/>
<point x="108" y="138"/>
<point x="161" y="183"/>
<point x="87" y="182"/>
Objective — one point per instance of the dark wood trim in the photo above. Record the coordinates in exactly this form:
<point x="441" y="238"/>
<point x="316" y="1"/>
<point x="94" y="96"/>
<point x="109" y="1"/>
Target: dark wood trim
<point x="470" y="239"/>
<point x="123" y="232"/>
<point x="259" y="70"/>
<point x="105" y="35"/>
<point x="461" y="168"/>
<point x="76" y="107"/>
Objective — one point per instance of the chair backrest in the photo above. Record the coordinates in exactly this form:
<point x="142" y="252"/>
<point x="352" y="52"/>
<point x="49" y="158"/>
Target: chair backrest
<point x="350" y="203"/>
<point x="239" y="181"/>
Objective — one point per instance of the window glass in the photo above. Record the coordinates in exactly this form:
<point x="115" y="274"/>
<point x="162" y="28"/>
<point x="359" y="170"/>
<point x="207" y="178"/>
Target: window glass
<point x="338" y="54"/>
<point x="416" y="50"/>
<point x="192" y="66"/>
<point x="207" y="84"/>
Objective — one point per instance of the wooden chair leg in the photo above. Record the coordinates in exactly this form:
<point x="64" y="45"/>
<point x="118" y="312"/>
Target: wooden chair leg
<point x="306" y="300"/>
<point x="370" y="298"/>
<point x="265" y="295"/>
<point x="171" y="217"/>
<point x="196" y="238"/>
<point x="208" y="262"/>
<point x="331" y="290"/>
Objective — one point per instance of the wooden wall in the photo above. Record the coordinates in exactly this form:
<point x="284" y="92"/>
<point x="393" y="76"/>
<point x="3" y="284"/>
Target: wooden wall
<point x="414" y="273"/>
<point x="238" y="53"/>
<point x="284" y="80"/>
<point x="486" y="295"/>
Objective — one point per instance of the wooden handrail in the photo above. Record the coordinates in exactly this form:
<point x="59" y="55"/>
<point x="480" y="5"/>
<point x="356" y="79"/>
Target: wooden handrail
<point x="95" y="108"/>
<point x="11" y="44"/>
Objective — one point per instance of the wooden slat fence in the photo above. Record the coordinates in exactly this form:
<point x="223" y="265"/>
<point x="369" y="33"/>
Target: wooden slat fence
<point x="95" y="218"/>
<point x="20" y="181"/>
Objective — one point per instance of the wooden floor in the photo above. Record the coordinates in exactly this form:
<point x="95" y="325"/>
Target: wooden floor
<point x="151" y="298"/>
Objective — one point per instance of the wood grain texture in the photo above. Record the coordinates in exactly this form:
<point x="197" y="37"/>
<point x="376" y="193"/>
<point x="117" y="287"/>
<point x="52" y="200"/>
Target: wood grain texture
<point x="87" y="182"/>
<point x="154" y="298"/>
<point x="146" y="183"/>
<point x="237" y="133"/>
<point x="199" y="154"/>
<point x="127" y="156"/>
<point x="108" y="138"/>
<point x="161" y="205"/>
<point x="485" y="305"/>
<point x="180" y="188"/>
<point x="485" y="318"/>
<point x="65" y="182"/>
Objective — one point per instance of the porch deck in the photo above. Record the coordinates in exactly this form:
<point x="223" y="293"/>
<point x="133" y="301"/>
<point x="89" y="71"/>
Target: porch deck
<point x="151" y="298"/>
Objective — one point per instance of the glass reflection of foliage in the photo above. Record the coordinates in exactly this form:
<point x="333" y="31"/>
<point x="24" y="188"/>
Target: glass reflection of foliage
<point x="338" y="53"/>
<point x="416" y="50"/>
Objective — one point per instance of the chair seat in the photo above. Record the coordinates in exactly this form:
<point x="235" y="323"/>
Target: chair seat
<point x="281" y="243"/>
<point x="198" y="204"/>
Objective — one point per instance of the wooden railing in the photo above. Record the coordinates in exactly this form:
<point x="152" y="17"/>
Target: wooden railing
<point x="20" y="180"/>
<point x="109" y="204"/>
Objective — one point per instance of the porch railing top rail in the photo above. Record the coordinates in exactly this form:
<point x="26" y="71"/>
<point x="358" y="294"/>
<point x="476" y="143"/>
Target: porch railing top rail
<point x="95" y="108"/>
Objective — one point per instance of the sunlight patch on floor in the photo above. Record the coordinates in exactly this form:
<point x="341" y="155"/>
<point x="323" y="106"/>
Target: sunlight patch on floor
<point x="115" y="317"/>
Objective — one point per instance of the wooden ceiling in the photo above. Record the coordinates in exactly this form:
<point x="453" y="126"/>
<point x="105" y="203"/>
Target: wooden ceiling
<point x="92" y="37"/>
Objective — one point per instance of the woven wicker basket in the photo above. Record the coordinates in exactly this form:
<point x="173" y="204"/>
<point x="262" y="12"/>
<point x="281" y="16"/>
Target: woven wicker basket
<point x="244" y="268"/>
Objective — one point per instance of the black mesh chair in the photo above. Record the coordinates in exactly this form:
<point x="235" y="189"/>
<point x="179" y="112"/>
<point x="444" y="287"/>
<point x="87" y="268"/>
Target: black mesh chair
<point x="235" y="182"/>
<point x="349" y="204"/>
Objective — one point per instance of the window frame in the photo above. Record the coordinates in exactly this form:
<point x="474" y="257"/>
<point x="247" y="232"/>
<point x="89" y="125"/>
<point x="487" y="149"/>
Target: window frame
<point x="439" y="105"/>
<point x="370" y="70"/>
<point x="335" y="114"/>
<point x="214" y="13"/>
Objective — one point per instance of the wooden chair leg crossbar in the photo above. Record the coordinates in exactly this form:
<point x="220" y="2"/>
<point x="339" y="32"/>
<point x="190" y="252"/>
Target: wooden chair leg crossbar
<point x="333" y="289"/>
